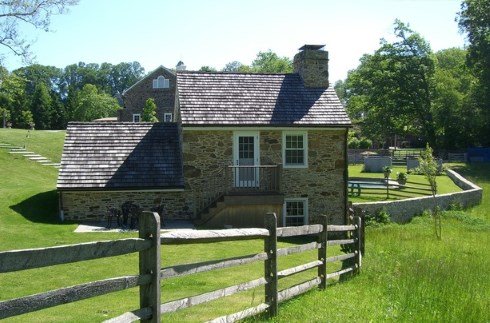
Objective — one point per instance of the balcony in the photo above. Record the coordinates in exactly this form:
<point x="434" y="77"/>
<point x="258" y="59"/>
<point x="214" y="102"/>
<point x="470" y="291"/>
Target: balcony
<point x="253" y="180"/>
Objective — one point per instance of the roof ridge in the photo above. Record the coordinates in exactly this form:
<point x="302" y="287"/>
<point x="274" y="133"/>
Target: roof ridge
<point x="232" y="73"/>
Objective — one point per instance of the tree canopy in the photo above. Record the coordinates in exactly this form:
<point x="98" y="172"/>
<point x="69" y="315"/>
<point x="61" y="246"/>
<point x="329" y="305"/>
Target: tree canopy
<point x="474" y="21"/>
<point x="404" y="89"/>
<point x="264" y="62"/>
<point x="36" y="13"/>
<point x="390" y="91"/>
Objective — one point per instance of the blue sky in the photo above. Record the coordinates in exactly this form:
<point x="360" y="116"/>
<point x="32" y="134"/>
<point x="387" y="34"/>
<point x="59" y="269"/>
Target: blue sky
<point x="215" y="32"/>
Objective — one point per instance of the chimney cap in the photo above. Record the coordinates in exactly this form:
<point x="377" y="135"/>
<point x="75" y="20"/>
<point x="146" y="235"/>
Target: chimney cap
<point x="312" y="47"/>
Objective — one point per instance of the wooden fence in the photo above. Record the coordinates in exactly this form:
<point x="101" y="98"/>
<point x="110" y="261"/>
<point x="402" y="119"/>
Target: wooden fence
<point x="151" y="274"/>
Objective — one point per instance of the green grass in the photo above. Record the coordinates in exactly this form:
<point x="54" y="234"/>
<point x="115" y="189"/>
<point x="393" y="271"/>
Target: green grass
<point x="28" y="220"/>
<point x="44" y="142"/>
<point x="417" y="186"/>
<point x="407" y="274"/>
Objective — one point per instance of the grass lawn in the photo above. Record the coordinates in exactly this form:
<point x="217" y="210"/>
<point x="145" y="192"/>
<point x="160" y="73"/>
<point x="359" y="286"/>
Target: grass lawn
<point x="407" y="275"/>
<point x="44" y="142"/>
<point x="417" y="185"/>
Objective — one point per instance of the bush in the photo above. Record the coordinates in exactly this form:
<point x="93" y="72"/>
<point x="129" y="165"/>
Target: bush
<point x="353" y="143"/>
<point x="380" y="217"/>
<point x="365" y="143"/>
<point x="401" y="176"/>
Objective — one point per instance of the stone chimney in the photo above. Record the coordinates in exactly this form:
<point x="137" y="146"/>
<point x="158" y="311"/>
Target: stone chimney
<point x="311" y="63"/>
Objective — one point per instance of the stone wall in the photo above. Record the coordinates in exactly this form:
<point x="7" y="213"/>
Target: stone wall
<point x="402" y="211"/>
<point x="92" y="205"/>
<point x="322" y="182"/>
<point x="208" y="153"/>
<point x="135" y="98"/>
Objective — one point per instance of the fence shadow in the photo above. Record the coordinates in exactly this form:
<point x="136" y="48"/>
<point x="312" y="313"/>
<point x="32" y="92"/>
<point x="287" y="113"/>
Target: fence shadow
<point x="39" y="208"/>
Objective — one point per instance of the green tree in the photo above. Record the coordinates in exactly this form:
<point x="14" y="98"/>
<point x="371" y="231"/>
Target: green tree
<point x="13" y="98"/>
<point x="391" y="89"/>
<point x="32" y="13"/>
<point x="26" y="119"/>
<point x="90" y="103"/>
<point x="4" y="117"/>
<point x="207" y="69"/>
<point x="455" y="121"/>
<point x="36" y="73"/>
<point x="41" y="107"/>
<point x="270" y="62"/>
<point x="123" y="75"/>
<point x="428" y="166"/>
<point x="150" y="111"/>
<point x="474" y="20"/>
<point x="232" y="67"/>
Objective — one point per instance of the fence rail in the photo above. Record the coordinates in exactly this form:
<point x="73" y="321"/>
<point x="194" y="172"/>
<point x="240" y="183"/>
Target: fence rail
<point x="151" y="274"/>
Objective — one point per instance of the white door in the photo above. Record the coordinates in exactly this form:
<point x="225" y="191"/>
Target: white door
<point x="246" y="155"/>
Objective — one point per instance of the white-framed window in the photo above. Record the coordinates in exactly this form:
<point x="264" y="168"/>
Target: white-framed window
<point x="161" y="83"/>
<point x="295" y="149"/>
<point x="136" y="117"/>
<point x="295" y="211"/>
<point x="167" y="117"/>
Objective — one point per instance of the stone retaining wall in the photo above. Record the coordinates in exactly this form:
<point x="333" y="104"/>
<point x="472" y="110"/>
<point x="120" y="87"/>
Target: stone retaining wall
<point x="402" y="211"/>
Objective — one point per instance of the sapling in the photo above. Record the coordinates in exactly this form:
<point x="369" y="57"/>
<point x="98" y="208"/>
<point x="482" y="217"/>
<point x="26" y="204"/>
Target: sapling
<point x="428" y="166"/>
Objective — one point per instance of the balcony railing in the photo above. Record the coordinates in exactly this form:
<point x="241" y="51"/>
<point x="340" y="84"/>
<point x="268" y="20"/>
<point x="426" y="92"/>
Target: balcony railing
<point x="253" y="179"/>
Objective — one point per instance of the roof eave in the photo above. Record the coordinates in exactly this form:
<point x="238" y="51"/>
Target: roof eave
<point x="128" y="188"/>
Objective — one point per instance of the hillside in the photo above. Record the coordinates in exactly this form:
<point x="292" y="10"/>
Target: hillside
<point x="48" y="143"/>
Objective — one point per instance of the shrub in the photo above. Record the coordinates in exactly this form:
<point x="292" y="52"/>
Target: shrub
<point x="401" y="176"/>
<point x="353" y="143"/>
<point x="365" y="143"/>
<point x="380" y="217"/>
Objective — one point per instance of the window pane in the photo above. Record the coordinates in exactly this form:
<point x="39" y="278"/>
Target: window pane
<point x="294" y="150"/>
<point x="295" y="213"/>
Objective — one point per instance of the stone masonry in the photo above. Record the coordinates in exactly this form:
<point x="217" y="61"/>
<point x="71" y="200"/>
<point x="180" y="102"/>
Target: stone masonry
<point x="135" y="97"/>
<point x="311" y="63"/>
<point x="93" y="205"/>
<point x="208" y="153"/>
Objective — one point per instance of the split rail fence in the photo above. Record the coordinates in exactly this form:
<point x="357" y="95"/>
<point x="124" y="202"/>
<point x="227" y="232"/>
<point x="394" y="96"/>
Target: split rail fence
<point x="151" y="274"/>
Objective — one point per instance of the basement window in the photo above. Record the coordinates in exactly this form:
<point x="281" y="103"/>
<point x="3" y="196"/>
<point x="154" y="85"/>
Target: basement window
<point x="295" y="212"/>
<point x="161" y="83"/>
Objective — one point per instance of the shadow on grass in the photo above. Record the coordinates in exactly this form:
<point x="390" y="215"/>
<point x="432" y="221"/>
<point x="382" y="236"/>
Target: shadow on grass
<point x="477" y="171"/>
<point x="40" y="208"/>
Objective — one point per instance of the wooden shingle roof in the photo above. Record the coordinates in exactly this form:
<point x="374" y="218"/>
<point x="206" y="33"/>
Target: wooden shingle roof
<point x="121" y="156"/>
<point x="208" y="99"/>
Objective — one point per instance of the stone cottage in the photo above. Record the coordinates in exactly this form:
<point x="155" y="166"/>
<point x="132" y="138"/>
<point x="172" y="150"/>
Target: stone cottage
<point x="240" y="145"/>
<point x="159" y="85"/>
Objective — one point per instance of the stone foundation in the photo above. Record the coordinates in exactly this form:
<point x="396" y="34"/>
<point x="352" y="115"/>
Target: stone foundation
<point x="93" y="205"/>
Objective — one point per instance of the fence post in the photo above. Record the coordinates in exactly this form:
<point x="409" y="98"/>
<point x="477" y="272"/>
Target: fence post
<point x="270" y="265"/>
<point x="358" y="244"/>
<point x="322" y="252"/>
<point x="362" y="215"/>
<point x="149" y="263"/>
